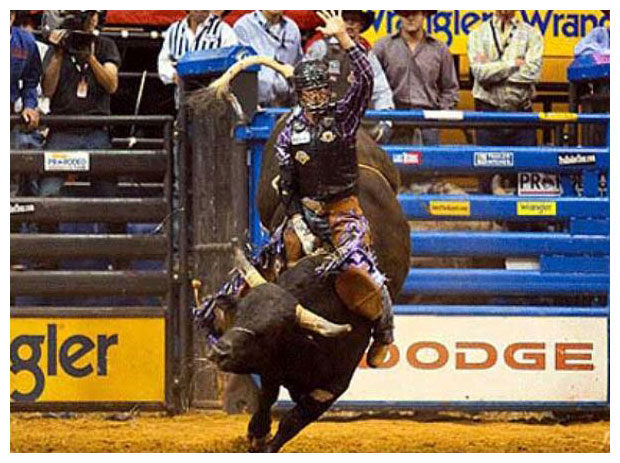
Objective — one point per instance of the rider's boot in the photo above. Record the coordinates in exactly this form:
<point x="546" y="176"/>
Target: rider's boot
<point x="382" y="332"/>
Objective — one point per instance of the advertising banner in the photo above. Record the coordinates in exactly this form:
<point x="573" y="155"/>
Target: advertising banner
<point x="87" y="359"/>
<point x="561" y="29"/>
<point x="482" y="359"/>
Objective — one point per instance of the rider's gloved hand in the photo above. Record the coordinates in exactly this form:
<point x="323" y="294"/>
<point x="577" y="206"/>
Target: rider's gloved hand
<point x="306" y="237"/>
<point x="381" y="132"/>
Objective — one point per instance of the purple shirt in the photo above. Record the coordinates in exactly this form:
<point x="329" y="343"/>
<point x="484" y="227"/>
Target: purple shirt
<point x="348" y="114"/>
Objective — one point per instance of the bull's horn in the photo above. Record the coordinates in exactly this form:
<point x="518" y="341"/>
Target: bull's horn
<point x="250" y="274"/>
<point x="221" y="85"/>
<point x="313" y="322"/>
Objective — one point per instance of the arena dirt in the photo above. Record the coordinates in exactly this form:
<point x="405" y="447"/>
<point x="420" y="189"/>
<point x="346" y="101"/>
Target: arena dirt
<point x="218" y="432"/>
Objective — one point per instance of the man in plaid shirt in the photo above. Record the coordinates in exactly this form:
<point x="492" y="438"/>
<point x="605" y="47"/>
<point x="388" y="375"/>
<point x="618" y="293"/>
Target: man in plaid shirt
<point x="505" y="58"/>
<point x="319" y="184"/>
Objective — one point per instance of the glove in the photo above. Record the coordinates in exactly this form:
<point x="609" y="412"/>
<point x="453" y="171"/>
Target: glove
<point x="306" y="237"/>
<point x="381" y="132"/>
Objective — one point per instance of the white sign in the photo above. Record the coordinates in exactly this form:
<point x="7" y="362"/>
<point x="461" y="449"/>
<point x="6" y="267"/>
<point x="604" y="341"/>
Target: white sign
<point x="494" y="159"/>
<point x="66" y="161"/>
<point x="570" y="159"/>
<point x="489" y="358"/>
<point x="443" y="115"/>
<point x="21" y="208"/>
<point x="538" y="184"/>
<point x="414" y="158"/>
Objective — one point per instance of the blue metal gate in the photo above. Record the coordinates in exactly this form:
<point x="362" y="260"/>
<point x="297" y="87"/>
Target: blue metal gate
<point x="572" y="261"/>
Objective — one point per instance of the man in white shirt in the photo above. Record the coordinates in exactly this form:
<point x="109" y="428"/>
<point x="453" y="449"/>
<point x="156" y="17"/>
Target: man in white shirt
<point x="199" y="30"/>
<point x="271" y="34"/>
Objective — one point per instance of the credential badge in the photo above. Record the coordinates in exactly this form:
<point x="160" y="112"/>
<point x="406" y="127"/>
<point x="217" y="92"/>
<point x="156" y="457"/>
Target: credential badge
<point x="299" y="138"/>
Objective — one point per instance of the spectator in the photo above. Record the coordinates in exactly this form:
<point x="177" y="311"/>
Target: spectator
<point x="28" y="22"/>
<point x="80" y="74"/>
<point x="25" y="77"/>
<point x="505" y="58"/>
<point x="199" y="30"/>
<point x="597" y="41"/>
<point x="421" y="72"/>
<point x="341" y="73"/>
<point x="35" y="138"/>
<point x="271" y="34"/>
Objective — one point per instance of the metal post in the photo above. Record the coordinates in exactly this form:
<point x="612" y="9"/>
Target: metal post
<point x="256" y="156"/>
<point x="172" y="311"/>
<point x="184" y="319"/>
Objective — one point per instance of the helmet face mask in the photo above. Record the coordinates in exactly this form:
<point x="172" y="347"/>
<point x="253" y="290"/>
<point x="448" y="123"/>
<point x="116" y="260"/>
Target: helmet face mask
<point x="311" y="79"/>
<point x="315" y="99"/>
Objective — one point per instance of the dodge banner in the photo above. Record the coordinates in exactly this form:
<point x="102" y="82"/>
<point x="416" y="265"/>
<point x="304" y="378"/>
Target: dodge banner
<point x="87" y="359"/>
<point x="485" y="359"/>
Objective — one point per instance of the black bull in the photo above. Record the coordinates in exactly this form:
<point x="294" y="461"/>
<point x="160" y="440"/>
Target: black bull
<point x="265" y="338"/>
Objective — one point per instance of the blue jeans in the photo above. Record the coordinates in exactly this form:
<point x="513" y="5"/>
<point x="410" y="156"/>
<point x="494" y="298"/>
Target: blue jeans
<point x="87" y="139"/>
<point x="411" y="135"/>
<point x="20" y="140"/>
<point x="503" y="136"/>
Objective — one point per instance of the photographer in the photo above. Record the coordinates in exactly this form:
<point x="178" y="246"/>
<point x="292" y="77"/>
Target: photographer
<point x="80" y="72"/>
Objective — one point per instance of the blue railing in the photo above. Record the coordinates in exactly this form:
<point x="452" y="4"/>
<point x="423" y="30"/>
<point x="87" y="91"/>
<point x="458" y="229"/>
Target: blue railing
<point x="575" y="261"/>
<point x="571" y="275"/>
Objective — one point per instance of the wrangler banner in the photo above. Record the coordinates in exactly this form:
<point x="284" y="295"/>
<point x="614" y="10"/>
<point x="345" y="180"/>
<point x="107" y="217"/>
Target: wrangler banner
<point x="87" y="359"/>
<point x="561" y="29"/>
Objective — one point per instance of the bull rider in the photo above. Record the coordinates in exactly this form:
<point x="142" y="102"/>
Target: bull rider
<point x="319" y="184"/>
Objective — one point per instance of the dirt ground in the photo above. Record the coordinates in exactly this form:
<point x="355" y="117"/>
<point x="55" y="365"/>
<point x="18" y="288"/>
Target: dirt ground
<point x="211" y="431"/>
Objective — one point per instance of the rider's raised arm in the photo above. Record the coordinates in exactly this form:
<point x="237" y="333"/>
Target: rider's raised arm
<point x="352" y="106"/>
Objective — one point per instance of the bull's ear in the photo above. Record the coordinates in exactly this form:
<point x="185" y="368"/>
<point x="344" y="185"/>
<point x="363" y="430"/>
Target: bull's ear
<point x="226" y="302"/>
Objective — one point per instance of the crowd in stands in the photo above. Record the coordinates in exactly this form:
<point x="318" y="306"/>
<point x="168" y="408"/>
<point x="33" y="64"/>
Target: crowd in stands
<point x="75" y="72"/>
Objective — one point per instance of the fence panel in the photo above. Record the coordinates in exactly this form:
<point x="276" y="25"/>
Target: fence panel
<point x="96" y="298"/>
<point x="534" y="332"/>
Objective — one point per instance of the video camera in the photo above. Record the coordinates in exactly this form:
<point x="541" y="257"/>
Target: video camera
<point x="75" y="41"/>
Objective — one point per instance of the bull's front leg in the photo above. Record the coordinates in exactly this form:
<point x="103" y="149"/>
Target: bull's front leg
<point x="307" y="410"/>
<point x="260" y="424"/>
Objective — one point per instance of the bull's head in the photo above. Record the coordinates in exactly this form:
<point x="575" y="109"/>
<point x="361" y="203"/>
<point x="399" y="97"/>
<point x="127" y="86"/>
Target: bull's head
<point x="257" y="325"/>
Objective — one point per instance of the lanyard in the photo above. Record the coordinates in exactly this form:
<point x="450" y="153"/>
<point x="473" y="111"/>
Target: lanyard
<point x="500" y="51"/>
<point x="81" y="70"/>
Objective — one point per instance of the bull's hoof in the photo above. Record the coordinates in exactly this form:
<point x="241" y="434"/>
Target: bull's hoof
<point x="259" y="444"/>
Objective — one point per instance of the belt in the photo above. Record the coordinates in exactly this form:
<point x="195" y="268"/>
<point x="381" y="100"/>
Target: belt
<point x="325" y="207"/>
<point x="482" y="105"/>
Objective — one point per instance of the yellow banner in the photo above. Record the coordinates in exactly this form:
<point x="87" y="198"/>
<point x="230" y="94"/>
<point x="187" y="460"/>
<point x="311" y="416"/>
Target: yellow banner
<point x="561" y="29"/>
<point x="536" y="208"/>
<point x="87" y="359"/>
<point x="449" y="208"/>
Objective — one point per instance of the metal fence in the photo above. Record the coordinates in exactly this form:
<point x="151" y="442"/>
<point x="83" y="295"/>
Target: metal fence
<point x="82" y="276"/>
<point x="567" y="272"/>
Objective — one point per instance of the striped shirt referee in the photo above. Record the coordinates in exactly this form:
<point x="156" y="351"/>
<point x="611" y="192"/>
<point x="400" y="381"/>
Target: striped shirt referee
<point x="180" y="39"/>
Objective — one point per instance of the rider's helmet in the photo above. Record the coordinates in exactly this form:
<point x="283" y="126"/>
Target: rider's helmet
<point x="313" y="76"/>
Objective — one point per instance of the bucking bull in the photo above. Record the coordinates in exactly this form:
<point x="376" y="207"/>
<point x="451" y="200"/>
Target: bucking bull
<point x="296" y="332"/>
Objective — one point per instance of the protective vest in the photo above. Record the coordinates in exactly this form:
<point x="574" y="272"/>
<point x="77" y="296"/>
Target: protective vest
<point x="325" y="167"/>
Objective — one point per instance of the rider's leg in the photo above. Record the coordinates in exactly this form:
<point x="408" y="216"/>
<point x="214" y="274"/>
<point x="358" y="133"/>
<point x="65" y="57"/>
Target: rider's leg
<point x="382" y="333"/>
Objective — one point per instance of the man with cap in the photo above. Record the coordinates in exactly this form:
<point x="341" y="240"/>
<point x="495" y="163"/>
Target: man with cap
<point x="421" y="72"/>
<point x="341" y="74"/>
<point x="319" y="182"/>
